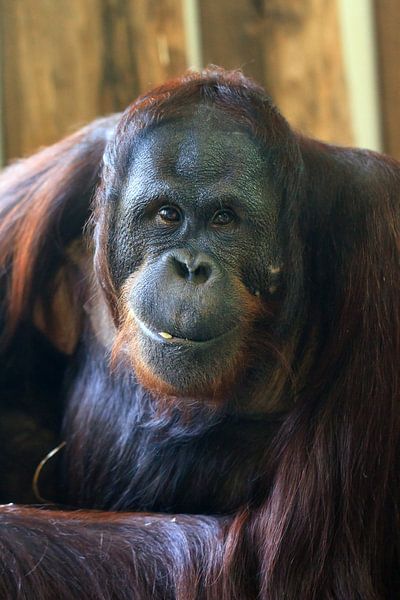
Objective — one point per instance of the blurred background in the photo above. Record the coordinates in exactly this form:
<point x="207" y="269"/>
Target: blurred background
<point x="330" y="65"/>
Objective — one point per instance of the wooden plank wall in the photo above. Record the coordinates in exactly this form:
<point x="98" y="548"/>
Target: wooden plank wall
<point x="67" y="61"/>
<point x="387" y="14"/>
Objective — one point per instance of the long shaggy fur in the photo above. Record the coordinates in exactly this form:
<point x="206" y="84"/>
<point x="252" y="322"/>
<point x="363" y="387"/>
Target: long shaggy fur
<point x="317" y="515"/>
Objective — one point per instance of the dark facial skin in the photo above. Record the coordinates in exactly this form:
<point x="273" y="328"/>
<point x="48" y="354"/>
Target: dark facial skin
<point x="194" y="243"/>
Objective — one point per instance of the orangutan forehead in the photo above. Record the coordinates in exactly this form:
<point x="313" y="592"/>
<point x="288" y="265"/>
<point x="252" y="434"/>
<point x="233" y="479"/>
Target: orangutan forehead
<point x="208" y="141"/>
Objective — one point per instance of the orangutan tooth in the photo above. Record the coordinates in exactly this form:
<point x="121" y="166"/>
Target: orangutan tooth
<point x="274" y="270"/>
<point x="257" y="293"/>
<point x="165" y="335"/>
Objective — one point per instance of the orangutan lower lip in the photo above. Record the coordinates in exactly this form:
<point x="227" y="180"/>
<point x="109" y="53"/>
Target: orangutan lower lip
<point x="161" y="336"/>
<point x="168" y="338"/>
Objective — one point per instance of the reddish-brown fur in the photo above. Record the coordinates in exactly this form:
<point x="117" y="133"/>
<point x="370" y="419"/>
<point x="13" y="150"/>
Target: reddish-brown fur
<point x="324" y="521"/>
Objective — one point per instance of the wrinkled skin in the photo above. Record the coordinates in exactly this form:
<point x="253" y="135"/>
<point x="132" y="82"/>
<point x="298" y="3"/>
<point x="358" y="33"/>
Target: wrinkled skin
<point x="193" y="246"/>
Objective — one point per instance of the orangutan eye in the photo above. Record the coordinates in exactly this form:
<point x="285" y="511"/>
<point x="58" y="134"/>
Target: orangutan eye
<point x="223" y="217"/>
<point x="170" y="214"/>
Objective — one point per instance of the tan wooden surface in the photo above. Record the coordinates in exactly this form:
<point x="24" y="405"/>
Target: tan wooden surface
<point x="67" y="61"/>
<point x="292" y="47"/>
<point x="387" y="13"/>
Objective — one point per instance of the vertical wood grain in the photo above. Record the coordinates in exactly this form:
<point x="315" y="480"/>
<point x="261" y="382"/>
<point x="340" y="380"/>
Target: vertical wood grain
<point x="387" y="13"/>
<point x="293" y="47"/>
<point x="67" y="61"/>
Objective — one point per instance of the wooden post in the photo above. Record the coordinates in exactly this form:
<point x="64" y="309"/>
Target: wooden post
<point x="67" y="61"/>
<point x="387" y="14"/>
<point x="293" y="47"/>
